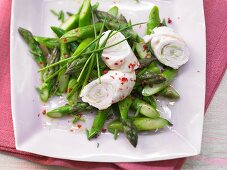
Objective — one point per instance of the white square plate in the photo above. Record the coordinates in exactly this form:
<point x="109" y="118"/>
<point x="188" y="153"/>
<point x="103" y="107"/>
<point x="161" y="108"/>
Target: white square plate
<point x="36" y="134"/>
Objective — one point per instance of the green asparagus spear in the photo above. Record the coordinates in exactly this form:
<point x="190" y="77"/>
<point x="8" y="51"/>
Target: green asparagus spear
<point x="141" y="123"/>
<point x="60" y="32"/>
<point x="146" y="62"/>
<point x="149" y="74"/>
<point x="151" y="100"/>
<point x="154" y="66"/>
<point x="70" y="23"/>
<point x="95" y="6"/>
<point x="80" y="18"/>
<point x="168" y="74"/>
<point x="80" y="33"/>
<point x="145" y="108"/>
<point x="98" y="123"/>
<point x="146" y="74"/>
<point x="48" y="42"/>
<point x="124" y="106"/>
<point x="113" y="11"/>
<point x="155" y="80"/>
<point x="47" y="87"/>
<point x="85" y="14"/>
<point x="130" y="131"/>
<point x="63" y="79"/>
<point x="129" y="128"/>
<point x="34" y="46"/>
<point x="69" y="109"/>
<point x="82" y="45"/>
<point x="153" y="21"/>
<point x="115" y="124"/>
<point x="169" y="92"/>
<point x="123" y="19"/>
<point x="151" y="124"/>
<point x="44" y="92"/>
<point x="74" y="97"/>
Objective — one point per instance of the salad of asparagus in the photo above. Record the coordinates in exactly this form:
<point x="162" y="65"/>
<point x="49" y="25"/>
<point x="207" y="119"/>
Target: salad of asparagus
<point x="102" y="64"/>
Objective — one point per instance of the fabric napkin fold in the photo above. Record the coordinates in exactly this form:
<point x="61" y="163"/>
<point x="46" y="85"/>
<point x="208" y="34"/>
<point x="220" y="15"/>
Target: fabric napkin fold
<point x="216" y="24"/>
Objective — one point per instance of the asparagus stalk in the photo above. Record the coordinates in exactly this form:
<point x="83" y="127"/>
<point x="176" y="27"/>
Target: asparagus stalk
<point x="124" y="20"/>
<point x="60" y="32"/>
<point x="144" y="108"/>
<point x="151" y="100"/>
<point x="150" y="78"/>
<point x="129" y="128"/>
<point x="141" y="123"/>
<point x="151" y="124"/>
<point x="63" y="79"/>
<point x="72" y="99"/>
<point x="146" y="62"/>
<point x="153" y="21"/>
<point x="69" y="109"/>
<point x="124" y="106"/>
<point x="33" y="46"/>
<point x="71" y="23"/>
<point x="80" y="33"/>
<point x="48" y="42"/>
<point x="168" y="74"/>
<point x="85" y="14"/>
<point x="48" y="86"/>
<point x="169" y="92"/>
<point x="154" y="66"/>
<point x="98" y="123"/>
<point x="95" y="6"/>
<point x="113" y="11"/>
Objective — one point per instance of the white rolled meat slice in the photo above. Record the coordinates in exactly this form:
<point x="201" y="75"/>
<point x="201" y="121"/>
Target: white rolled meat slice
<point x="119" y="57"/>
<point x="114" y="86"/>
<point x="169" y="48"/>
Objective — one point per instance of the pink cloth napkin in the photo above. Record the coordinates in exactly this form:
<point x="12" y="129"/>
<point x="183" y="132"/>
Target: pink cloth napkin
<point x="216" y="24"/>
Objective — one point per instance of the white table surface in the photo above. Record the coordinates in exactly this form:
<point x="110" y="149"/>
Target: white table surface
<point x="214" y="146"/>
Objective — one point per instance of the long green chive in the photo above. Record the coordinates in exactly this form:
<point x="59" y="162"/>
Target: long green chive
<point x="96" y="55"/>
<point x="89" y="71"/>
